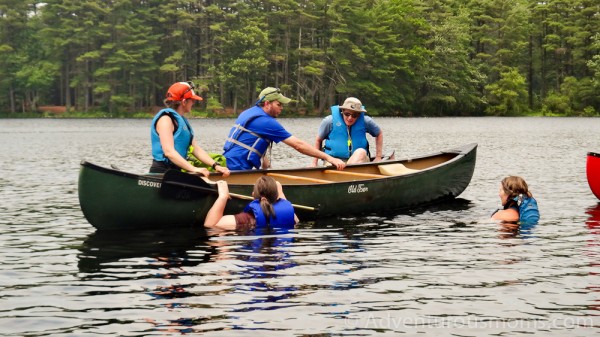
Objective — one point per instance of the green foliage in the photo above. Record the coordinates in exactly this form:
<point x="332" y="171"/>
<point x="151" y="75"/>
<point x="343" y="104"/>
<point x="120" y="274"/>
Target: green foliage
<point x="575" y="97"/>
<point x="400" y="57"/>
<point x="594" y="63"/>
<point x="557" y="103"/>
<point x="508" y="95"/>
<point x="212" y="104"/>
<point x="448" y="80"/>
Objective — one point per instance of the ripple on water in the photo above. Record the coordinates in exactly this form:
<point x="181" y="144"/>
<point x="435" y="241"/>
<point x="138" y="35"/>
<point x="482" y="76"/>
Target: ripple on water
<point x="438" y="270"/>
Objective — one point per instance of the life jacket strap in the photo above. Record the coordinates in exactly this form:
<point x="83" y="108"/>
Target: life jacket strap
<point x="235" y="135"/>
<point x="235" y="141"/>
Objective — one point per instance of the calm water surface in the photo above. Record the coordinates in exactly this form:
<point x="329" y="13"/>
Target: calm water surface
<point x="445" y="270"/>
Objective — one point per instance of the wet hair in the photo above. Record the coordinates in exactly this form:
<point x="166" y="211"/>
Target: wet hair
<point x="265" y="189"/>
<point x="514" y="186"/>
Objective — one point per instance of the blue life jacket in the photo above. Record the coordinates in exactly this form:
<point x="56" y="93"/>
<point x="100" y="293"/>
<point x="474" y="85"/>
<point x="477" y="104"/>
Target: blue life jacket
<point x="182" y="136"/>
<point x="284" y="212"/>
<point x="243" y="143"/>
<point x="338" y="144"/>
<point x="528" y="209"/>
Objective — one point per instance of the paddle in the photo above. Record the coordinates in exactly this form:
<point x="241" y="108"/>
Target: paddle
<point x="175" y="178"/>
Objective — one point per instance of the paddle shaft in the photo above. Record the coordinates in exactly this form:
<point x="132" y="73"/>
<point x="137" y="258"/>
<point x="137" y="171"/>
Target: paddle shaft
<point x="233" y="195"/>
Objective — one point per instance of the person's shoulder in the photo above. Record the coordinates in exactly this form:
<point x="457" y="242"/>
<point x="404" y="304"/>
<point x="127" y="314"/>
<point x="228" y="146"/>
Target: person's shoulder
<point x="327" y="119"/>
<point x="370" y="119"/>
<point x="509" y="214"/>
<point x="270" y="121"/>
<point x="165" y="115"/>
<point x="284" y="201"/>
<point x="163" y="112"/>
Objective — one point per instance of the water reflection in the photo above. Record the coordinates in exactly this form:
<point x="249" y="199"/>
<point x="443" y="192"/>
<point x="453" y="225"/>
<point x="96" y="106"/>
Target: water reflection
<point x="102" y="249"/>
<point x="263" y="255"/>
<point x="593" y="225"/>
<point x="452" y="208"/>
<point x="162" y="257"/>
<point x="593" y="222"/>
<point x="511" y="230"/>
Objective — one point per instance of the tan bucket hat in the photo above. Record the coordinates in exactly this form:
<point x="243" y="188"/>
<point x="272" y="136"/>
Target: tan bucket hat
<point x="352" y="103"/>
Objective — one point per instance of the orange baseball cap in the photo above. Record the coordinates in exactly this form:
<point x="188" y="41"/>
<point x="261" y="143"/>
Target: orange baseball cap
<point x="182" y="90"/>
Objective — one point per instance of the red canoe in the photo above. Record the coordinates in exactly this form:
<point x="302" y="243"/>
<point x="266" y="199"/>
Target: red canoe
<point x="593" y="172"/>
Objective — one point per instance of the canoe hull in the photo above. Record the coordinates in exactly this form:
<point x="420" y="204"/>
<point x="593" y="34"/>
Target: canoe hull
<point x="111" y="199"/>
<point x="593" y="172"/>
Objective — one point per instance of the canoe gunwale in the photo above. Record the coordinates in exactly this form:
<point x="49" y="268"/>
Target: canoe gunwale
<point x="118" y="172"/>
<point x="458" y="154"/>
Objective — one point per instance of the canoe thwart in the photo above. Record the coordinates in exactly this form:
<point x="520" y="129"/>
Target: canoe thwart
<point x="293" y="177"/>
<point x="396" y="169"/>
<point x="355" y="174"/>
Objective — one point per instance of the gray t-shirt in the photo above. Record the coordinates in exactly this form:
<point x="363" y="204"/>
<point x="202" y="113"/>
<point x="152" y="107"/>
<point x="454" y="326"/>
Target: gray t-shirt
<point x="327" y="125"/>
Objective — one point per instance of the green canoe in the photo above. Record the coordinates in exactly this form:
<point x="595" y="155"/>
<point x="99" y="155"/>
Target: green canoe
<point x="115" y="200"/>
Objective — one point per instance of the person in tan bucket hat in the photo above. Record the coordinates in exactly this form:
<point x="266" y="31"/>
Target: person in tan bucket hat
<point x="257" y="128"/>
<point x="344" y="133"/>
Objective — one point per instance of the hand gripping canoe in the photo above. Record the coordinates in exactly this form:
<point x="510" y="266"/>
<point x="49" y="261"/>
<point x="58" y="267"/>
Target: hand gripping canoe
<point x="174" y="180"/>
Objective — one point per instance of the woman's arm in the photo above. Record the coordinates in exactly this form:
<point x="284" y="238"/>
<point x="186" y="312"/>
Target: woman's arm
<point x="214" y="217"/>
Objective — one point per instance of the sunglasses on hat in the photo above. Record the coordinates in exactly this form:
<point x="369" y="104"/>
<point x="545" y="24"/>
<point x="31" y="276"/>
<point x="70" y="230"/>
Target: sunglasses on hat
<point x="276" y="91"/>
<point x="192" y="87"/>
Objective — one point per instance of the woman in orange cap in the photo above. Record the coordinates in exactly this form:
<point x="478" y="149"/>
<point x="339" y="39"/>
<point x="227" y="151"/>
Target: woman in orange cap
<point x="172" y="136"/>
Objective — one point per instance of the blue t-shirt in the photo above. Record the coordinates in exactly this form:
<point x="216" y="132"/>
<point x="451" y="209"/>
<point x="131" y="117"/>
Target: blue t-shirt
<point x="267" y="127"/>
<point x="327" y="125"/>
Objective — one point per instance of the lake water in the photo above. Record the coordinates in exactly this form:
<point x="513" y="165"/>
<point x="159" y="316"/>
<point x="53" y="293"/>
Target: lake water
<point x="437" y="271"/>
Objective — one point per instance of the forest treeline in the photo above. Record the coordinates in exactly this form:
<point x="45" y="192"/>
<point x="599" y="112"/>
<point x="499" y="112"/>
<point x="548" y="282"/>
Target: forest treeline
<point x="400" y="57"/>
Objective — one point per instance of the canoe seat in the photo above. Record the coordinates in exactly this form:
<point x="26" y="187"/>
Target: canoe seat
<point x="395" y="169"/>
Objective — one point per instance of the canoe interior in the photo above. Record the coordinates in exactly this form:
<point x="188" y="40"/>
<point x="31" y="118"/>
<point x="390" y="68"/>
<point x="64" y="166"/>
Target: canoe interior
<point x="318" y="176"/>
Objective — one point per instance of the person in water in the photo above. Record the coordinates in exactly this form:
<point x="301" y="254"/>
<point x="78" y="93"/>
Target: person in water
<point x="517" y="201"/>
<point x="345" y="133"/>
<point x="269" y="208"/>
<point x="172" y="135"/>
<point x="257" y="128"/>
